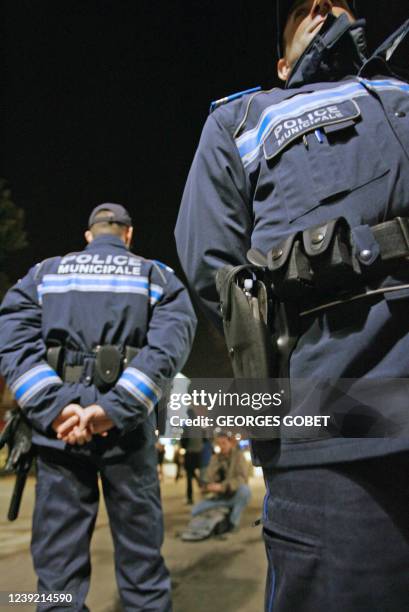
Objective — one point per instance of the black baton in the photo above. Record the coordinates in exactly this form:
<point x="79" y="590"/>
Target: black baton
<point x="15" y="501"/>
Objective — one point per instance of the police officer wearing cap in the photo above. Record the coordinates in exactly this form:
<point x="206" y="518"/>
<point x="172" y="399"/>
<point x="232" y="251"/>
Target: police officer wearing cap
<point x="88" y="343"/>
<point x="311" y="181"/>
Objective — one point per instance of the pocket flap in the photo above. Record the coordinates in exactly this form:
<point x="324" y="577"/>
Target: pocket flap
<point x="317" y="239"/>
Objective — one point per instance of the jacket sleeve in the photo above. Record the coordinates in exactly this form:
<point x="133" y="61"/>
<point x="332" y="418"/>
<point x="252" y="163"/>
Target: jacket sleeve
<point x="168" y="342"/>
<point x="215" y="219"/>
<point x="36" y="386"/>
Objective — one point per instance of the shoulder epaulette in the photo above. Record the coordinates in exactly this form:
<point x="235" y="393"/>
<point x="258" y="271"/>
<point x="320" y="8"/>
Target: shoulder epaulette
<point x="163" y="266"/>
<point x="39" y="266"/>
<point x="232" y="97"/>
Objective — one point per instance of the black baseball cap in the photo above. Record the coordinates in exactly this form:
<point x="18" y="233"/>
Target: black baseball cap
<point x="117" y="214"/>
<point x="283" y="10"/>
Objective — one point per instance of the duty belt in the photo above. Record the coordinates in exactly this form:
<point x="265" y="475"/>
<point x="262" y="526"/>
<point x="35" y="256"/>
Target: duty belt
<point x="332" y="263"/>
<point x="322" y="267"/>
<point x="102" y="366"/>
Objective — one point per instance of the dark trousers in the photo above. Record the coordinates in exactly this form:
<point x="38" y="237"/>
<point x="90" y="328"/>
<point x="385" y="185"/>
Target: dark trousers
<point x="67" y="497"/>
<point x="337" y="537"/>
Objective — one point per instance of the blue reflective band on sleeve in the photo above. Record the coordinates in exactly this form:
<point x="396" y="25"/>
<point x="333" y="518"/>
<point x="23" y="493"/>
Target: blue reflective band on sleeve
<point x="141" y="387"/>
<point x="33" y="381"/>
<point x="155" y="293"/>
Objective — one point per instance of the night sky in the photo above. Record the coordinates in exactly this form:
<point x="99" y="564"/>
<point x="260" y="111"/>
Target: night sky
<point x="104" y="100"/>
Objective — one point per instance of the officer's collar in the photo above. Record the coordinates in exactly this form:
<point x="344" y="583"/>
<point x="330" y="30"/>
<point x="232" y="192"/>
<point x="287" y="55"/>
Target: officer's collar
<point x="338" y="50"/>
<point x="391" y="56"/>
<point x="317" y="62"/>
<point x="106" y="240"/>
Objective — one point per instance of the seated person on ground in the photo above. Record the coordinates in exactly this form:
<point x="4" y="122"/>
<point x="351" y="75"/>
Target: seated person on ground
<point x="227" y="478"/>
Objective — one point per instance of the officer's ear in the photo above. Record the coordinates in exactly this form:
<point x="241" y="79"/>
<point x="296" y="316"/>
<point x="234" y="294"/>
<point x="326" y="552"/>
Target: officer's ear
<point x="128" y="236"/>
<point x="88" y="236"/>
<point x="283" y="69"/>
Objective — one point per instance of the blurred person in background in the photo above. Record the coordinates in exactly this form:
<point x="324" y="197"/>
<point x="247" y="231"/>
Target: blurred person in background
<point x="192" y="442"/>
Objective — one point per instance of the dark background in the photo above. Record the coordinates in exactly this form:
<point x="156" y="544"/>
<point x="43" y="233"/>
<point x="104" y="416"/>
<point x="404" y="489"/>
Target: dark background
<point x="104" y="100"/>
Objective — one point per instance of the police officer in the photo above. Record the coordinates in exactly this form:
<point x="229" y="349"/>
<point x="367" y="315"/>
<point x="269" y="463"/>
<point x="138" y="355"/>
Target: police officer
<point x="272" y="170"/>
<point x="88" y="343"/>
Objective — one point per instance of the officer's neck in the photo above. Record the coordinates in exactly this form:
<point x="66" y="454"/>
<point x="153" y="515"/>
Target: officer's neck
<point x="107" y="239"/>
<point x="338" y="51"/>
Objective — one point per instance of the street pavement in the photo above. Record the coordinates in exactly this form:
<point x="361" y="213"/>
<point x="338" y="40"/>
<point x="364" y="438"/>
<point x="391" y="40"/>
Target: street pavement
<point x="224" y="574"/>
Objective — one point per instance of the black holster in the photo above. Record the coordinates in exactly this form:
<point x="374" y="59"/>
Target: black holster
<point x="246" y="321"/>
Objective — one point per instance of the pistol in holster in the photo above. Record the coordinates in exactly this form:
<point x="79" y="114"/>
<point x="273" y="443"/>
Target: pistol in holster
<point x="245" y="302"/>
<point x="17" y="434"/>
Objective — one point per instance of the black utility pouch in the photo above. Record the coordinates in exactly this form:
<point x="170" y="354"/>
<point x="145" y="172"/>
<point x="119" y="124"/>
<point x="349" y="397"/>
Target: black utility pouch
<point x="246" y="321"/>
<point x="108" y="366"/>
<point x="290" y="269"/>
<point x="329" y="251"/>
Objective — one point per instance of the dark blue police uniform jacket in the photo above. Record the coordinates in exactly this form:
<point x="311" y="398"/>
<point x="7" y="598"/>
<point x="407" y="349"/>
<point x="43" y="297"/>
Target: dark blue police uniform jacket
<point x="101" y="295"/>
<point x="273" y="163"/>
